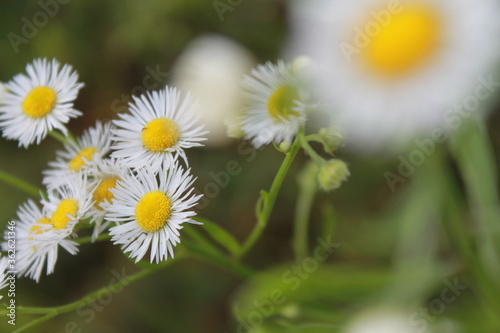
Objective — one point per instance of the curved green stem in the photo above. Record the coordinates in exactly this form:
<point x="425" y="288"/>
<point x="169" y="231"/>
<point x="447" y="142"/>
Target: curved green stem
<point x="51" y="312"/>
<point x="267" y="200"/>
<point x="310" y="151"/>
<point x="19" y="184"/>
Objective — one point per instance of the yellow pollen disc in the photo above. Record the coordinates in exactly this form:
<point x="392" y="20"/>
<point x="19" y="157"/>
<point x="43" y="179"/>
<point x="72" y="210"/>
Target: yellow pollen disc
<point x="78" y="161"/>
<point x="39" y="102"/>
<point x="407" y="40"/>
<point x="159" y="134"/>
<point x="35" y="229"/>
<point x="102" y="191"/>
<point x="281" y="102"/>
<point x="60" y="217"/>
<point x="153" y="211"/>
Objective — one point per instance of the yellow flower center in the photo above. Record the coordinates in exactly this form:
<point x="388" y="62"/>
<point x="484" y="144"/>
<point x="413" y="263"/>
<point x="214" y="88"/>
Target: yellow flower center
<point x="78" y="161"/>
<point x="281" y="102"/>
<point x="407" y="41"/>
<point x="159" y="134"/>
<point x="35" y="228"/>
<point x="66" y="209"/>
<point x="102" y="191"/>
<point x="153" y="211"/>
<point x="39" y="102"/>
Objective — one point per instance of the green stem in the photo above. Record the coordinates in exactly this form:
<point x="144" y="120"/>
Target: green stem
<point x="311" y="152"/>
<point x="455" y="224"/>
<point x="19" y="184"/>
<point x="269" y="199"/>
<point x="86" y="240"/>
<point x="89" y="298"/>
<point x="217" y="259"/>
<point x="307" y="190"/>
<point x="474" y="155"/>
<point x="59" y="137"/>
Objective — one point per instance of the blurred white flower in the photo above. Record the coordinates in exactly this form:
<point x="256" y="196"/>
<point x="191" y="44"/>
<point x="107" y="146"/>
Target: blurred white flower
<point x="385" y="321"/>
<point x="389" y="70"/>
<point x="211" y="67"/>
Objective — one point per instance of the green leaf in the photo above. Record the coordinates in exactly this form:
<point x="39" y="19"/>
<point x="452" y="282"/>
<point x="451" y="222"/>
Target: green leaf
<point x="220" y="235"/>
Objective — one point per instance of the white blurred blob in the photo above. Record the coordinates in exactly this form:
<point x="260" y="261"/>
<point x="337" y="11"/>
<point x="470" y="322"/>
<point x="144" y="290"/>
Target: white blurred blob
<point x="380" y="113"/>
<point x="212" y="67"/>
<point x="385" y="321"/>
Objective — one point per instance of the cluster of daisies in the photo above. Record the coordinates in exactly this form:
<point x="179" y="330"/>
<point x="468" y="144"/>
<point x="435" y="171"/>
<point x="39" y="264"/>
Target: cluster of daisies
<point x="129" y="177"/>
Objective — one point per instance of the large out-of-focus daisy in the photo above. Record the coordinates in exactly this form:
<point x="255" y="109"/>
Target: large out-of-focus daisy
<point x="390" y="69"/>
<point x="92" y="146"/>
<point x="33" y="251"/>
<point x="161" y="124"/>
<point x="39" y="102"/>
<point x="151" y="208"/>
<point x="275" y="104"/>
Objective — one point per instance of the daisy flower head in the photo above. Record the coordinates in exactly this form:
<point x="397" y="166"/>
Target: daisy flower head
<point x="33" y="251"/>
<point x="150" y="208"/>
<point x="161" y="124"/>
<point x="67" y="205"/>
<point x="3" y="91"/>
<point x="39" y="102"/>
<point x="106" y="173"/>
<point x="93" y="146"/>
<point x="390" y="70"/>
<point x="4" y="268"/>
<point x="275" y="104"/>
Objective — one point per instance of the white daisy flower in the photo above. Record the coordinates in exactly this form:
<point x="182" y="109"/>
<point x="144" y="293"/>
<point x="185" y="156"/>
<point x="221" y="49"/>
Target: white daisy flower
<point x="107" y="172"/>
<point x="67" y="206"/>
<point x="276" y="104"/>
<point x="391" y="69"/>
<point x="4" y="268"/>
<point x="40" y="102"/>
<point x="151" y="208"/>
<point x="34" y="252"/>
<point x="92" y="146"/>
<point x="161" y="124"/>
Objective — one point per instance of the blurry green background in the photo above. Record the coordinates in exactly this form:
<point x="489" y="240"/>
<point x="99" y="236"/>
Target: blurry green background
<point x="110" y="44"/>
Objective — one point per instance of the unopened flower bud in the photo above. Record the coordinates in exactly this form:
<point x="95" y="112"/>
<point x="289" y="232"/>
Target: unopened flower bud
<point x="332" y="138"/>
<point x="332" y="174"/>
<point x="284" y="146"/>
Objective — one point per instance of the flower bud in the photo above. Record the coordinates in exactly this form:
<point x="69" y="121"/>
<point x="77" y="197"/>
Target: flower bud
<point x="332" y="174"/>
<point x="332" y="138"/>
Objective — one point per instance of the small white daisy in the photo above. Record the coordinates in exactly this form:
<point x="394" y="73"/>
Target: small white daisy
<point x="92" y="146"/>
<point x="67" y="205"/>
<point x="4" y="268"/>
<point x="34" y="252"/>
<point x="275" y="104"/>
<point x="391" y="69"/>
<point x="161" y="124"/>
<point x="107" y="173"/>
<point x="151" y="208"/>
<point x="40" y="102"/>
